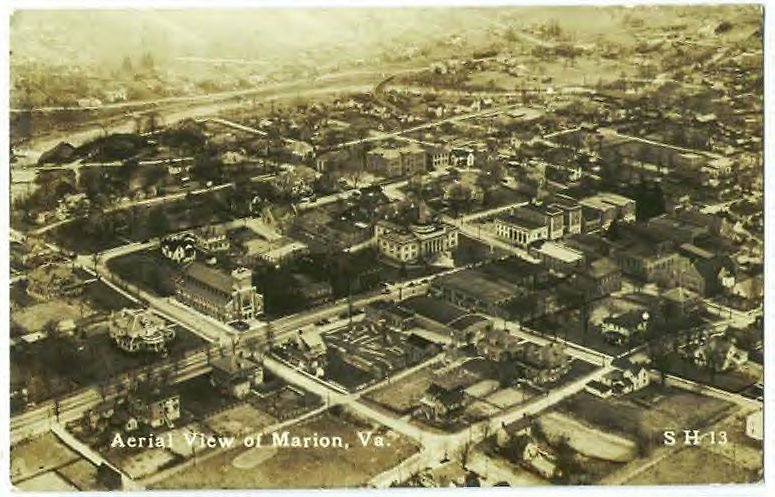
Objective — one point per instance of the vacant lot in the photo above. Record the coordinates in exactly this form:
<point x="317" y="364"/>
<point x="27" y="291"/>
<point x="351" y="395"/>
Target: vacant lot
<point x="508" y="397"/>
<point x="35" y="317"/>
<point x="694" y="465"/>
<point x="651" y="410"/>
<point x="405" y="394"/>
<point x="240" y="420"/>
<point x="38" y="455"/>
<point x="82" y="474"/>
<point x="307" y="468"/>
<point x="46" y="482"/>
<point x="587" y="440"/>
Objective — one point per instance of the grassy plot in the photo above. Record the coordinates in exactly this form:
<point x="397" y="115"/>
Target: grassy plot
<point x="287" y="467"/>
<point x="694" y="466"/>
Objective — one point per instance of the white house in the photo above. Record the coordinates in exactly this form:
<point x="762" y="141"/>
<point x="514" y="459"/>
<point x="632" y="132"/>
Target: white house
<point x="754" y="425"/>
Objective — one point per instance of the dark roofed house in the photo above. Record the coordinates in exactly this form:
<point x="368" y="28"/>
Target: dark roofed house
<point x="311" y="291"/>
<point x="61" y="153"/>
<point x="705" y="273"/>
<point x="419" y="347"/>
<point x="109" y="477"/>
<point x="507" y="432"/>
<point x="542" y="364"/>
<point x="498" y="344"/>
<point x="393" y="315"/>
<point x="446" y="394"/>
<point x="156" y="408"/>
<point x="619" y="329"/>
<point x="235" y="375"/>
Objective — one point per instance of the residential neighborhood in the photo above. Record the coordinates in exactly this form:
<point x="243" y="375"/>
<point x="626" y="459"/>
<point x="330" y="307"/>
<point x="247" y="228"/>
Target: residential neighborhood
<point x="517" y="246"/>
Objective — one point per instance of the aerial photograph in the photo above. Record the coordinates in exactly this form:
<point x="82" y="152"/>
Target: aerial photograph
<point x="339" y="247"/>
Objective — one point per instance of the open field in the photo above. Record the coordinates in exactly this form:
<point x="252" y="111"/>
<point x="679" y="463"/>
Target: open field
<point x="587" y="440"/>
<point x="651" y="410"/>
<point x="240" y="420"/>
<point x="304" y="468"/>
<point x="38" y="455"/>
<point x="47" y="482"/>
<point x="694" y="465"/>
<point x="36" y="317"/>
<point x="403" y="395"/>
<point x="82" y="474"/>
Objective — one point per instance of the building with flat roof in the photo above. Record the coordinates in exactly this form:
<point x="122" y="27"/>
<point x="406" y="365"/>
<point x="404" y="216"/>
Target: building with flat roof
<point x="519" y="230"/>
<point x="475" y="290"/>
<point x="527" y="224"/>
<point x="443" y="319"/>
<point x="224" y="296"/>
<point x="605" y="208"/>
<point x="571" y="211"/>
<point x="557" y="256"/>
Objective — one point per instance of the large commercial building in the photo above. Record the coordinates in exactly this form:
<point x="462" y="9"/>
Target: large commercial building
<point x="224" y="296"/>
<point x="527" y="224"/>
<point x="520" y="231"/>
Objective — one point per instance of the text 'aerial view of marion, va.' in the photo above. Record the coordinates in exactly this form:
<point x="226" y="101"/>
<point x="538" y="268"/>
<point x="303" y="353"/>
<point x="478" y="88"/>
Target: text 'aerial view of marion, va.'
<point x="407" y="247"/>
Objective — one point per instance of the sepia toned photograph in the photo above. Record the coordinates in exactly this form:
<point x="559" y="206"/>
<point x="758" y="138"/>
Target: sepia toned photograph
<point x="310" y="247"/>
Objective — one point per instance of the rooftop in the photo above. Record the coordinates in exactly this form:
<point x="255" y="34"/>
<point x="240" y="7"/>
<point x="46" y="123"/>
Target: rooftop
<point x="479" y="285"/>
<point x="431" y="308"/>
<point x="521" y="221"/>
<point x="211" y="276"/>
<point x="233" y="364"/>
<point x="560" y="252"/>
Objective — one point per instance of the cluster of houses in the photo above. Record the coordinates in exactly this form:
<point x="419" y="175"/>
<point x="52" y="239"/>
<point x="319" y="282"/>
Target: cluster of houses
<point x="627" y="377"/>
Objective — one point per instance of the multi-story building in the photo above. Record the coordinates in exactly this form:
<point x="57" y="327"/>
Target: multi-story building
<point x="224" y="296"/>
<point x="401" y="161"/>
<point x="571" y="212"/>
<point x="527" y="224"/>
<point x="519" y="230"/>
<point x="134" y="330"/>
<point x="438" y="157"/>
<point x="607" y="208"/>
<point x="155" y="409"/>
<point x="651" y="264"/>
